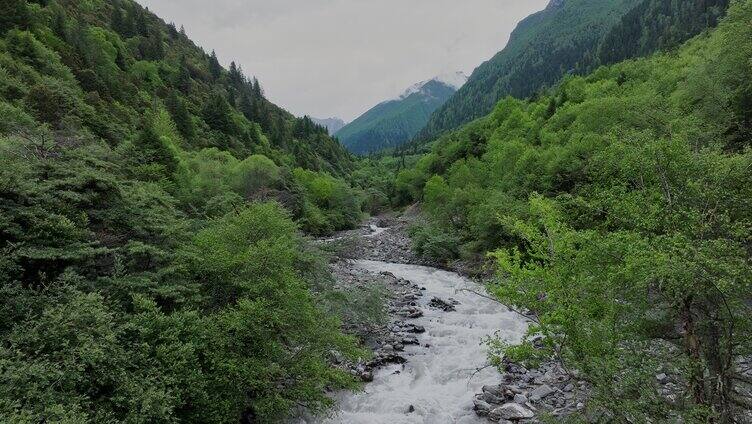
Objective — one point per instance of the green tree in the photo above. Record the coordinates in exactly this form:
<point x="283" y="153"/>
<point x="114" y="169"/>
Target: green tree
<point x="218" y="114"/>
<point x="214" y="67"/>
<point x="183" y="119"/>
<point x="13" y="14"/>
<point x="183" y="81"/>
<point x="151" y="156"/>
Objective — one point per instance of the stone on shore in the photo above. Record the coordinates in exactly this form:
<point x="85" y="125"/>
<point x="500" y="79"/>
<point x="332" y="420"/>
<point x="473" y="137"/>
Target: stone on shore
<point x="511" y="411"/>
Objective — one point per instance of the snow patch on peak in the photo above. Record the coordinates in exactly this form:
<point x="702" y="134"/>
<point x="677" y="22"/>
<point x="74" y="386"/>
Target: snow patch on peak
<point x="415" y="88"/>
<point x="454" y="80"/>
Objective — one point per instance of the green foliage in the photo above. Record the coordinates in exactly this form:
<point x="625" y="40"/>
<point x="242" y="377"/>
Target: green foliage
<point x="110" y="302"/>
<point x="657" y="25"/>
<point x="434" y="242"/>
<point x="616" y="209"/>
<point x="150" y="157"/>
<point x="329" y="204"/>
<point x="254" y="174"/>
<point x="50" y="101"/>
<point x="248" y="260"/>
<point x="140" y="281"/>
<point x="13" y="14"/>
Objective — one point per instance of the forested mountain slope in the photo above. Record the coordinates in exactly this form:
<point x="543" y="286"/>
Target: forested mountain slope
<point x="544" y="47"/>
<point x="151" y="265"/>
<point x="617" y="209"/>
<point x="573" y="36"/>
<point x="392" y="123"/>
<point x="655" y="25"/>
<point x="132" y="59"/>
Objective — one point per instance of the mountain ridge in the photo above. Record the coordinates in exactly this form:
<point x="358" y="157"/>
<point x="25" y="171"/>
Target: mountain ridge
<point x="332" y="124"/>
<point x="393" y="122"/>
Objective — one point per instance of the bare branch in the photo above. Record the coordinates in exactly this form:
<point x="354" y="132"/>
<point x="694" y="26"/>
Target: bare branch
<point x="530" y="317"/>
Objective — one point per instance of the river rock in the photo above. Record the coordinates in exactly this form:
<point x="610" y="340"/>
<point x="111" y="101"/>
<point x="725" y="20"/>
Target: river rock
<point x="444" y="305"/>
<point x="384" y="358"/>
<point x="416" y="329"/>
<point x="494" y="394"/>
<point x="410" y="340"/>
<point x="521" y="399"/>
<point x="410" y="312"/>
<point x="514" y="389"/>
<point x="481" y="407"/>
<point x="366" y="376"/>
<point x="510" y="411"/>
<point x="541" y="392"/>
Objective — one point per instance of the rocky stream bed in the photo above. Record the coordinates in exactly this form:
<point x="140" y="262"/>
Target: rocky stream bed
<point x="429" y="362"/>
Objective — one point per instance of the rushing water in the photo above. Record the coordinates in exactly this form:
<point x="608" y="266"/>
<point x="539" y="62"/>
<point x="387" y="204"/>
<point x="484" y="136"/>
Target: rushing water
<point x="439" y="381"/>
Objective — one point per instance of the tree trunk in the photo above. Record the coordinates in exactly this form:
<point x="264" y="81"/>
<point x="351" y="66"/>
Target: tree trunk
<point x="719" y="376"/>
<point x="693" y="350"/>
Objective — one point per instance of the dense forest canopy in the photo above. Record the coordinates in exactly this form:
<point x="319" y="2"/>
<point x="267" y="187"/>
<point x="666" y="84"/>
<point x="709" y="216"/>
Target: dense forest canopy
<point x="151" y="202"/>
<point x="572" y="37"/>
<point x="617" y="210"/>
<point x="156" y="211"/>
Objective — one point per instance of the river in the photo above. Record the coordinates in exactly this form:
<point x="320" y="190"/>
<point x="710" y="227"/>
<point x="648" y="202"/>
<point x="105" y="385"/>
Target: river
<point x="438" y="382"/>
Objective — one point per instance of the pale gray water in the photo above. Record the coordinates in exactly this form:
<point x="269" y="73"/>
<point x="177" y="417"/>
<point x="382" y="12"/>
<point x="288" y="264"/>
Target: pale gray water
<point x="436" y="380"/>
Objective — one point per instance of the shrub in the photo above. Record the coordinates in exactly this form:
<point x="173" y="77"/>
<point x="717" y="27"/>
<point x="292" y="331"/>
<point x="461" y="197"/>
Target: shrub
<point x="434" y="242"/>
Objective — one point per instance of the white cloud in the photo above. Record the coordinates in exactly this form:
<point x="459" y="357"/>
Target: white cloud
<point x="339" y="57"/>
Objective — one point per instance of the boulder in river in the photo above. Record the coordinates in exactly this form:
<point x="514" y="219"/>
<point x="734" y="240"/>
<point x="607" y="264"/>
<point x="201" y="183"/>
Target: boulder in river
<point x="444" y="305"/>
<point x="416" y="329"/>
<point x="410" y="312"/>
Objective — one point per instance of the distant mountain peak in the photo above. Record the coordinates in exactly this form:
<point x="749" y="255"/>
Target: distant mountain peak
<point x="454" y="80"/>
<point x="555" y="3"/>
<point x="333" y="124"/>
<point x="394" y="122"/>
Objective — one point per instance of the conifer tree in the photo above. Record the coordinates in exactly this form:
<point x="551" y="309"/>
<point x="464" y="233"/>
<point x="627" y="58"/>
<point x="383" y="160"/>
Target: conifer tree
<point x="58" y="24"/>
<point x="13" y="14"/>
<point x="214" y="67"/>
<point x="184" y="81"/>
<point x="217" y="114"/>
<point x="141" y="26"/>
<point x="153" y="150"/>
<point x="247" y="108"/>
<point x="257" y="90"/>
<point x="180" y="116"/>
<point x="117" y="20"/>
<point x="152" y="47"/>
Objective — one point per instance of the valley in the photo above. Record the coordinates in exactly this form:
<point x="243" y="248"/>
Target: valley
<point x="563" y="236"/>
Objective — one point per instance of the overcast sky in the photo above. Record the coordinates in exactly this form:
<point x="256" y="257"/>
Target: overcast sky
<point x="338" y="58"/>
